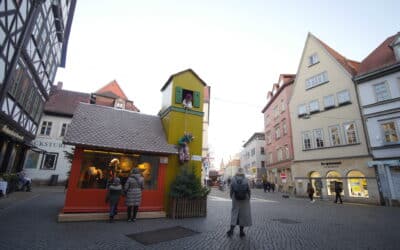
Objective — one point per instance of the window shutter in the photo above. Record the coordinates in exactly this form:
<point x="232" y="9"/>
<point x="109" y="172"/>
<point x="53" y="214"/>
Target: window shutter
<point x="178" y="94"/>
<point x="196" y="99"/>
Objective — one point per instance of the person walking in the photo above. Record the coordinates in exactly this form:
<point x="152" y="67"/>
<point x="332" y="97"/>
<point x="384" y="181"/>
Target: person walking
<point x="113" y="195"/>
<point x="133" y="188"/>
<point x="310" y="191"/>
<point x="338" y="190"/>
<point x="240" y="195"/>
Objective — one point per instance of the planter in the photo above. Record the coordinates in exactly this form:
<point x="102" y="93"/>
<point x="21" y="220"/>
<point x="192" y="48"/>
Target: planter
<point x="186" y="208"/>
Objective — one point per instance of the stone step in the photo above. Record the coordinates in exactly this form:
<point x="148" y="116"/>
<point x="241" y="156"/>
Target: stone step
<point x="71" y="217"/>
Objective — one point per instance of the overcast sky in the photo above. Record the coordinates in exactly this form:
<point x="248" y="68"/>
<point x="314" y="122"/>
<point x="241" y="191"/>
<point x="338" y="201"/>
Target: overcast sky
<point x="239" y="48"/>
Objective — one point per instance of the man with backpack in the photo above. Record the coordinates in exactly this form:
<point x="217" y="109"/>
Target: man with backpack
<point x="241" y="211"/>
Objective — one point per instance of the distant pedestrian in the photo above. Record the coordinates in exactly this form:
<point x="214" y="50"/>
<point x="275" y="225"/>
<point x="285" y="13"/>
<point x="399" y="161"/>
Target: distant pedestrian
<point x="273" y="187"/>
<point x="241" y="211"/>
<point x="133" y="188"/>
<point x="113" y="195"/>
<point x="310" y="191"/>
<point x="265" y="185"/>
<point x="338" y="190"/>
<point x="268" y="186"/>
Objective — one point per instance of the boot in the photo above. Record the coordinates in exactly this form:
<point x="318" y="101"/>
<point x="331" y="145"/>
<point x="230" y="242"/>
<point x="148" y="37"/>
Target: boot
<point x="230" y="232"/>
<point x="242" y="234"/>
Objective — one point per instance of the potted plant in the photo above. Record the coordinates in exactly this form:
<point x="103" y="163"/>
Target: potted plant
<point x="188" y="196"/>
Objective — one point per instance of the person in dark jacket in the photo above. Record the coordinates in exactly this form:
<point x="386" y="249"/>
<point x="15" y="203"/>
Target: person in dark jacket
<point x="310" y="191"/>
<point x="241" y="211"/>
<point x="338" y="190"/>
<point x="114" y="192"/>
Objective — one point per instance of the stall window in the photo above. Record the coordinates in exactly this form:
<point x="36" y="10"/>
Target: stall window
<point x="331" y="178"/>
<point x="357" y="184"/>
<point x="96" y="170"/>
<point x="32" y="159"/>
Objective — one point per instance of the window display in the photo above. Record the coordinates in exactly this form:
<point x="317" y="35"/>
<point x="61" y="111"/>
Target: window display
<point x="333" y="176"/>
<point x="99" y="167"/>
<point x="357" y="184"/>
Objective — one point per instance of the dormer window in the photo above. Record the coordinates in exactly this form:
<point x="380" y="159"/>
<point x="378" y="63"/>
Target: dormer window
<point x="396" y="47"/>
<point x="119" y="104"/>
<point x="313" y="59"/>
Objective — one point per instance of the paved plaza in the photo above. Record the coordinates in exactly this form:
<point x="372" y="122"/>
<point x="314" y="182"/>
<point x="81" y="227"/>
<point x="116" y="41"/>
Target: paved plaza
<point x="29" y="221"/>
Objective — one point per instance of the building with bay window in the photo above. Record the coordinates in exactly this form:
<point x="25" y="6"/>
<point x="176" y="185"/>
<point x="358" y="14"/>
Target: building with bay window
<point x="378" y="84"/>
<point x="33" y="37"/>
<point x="329" y="142"/>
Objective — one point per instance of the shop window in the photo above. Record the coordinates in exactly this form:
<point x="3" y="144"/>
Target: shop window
<point x="357" y="184"/>
<point x="31" y="160"/>
<point x="316" y="182"/>
<point x="49" y="161"/>
<point x="96" y="169"/>
<point x="331" y="178"/>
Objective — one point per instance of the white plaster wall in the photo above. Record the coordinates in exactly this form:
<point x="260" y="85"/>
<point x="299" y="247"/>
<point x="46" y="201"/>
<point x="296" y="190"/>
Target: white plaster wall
<point x="367" y="92"/>
<point x="52" y="144"/>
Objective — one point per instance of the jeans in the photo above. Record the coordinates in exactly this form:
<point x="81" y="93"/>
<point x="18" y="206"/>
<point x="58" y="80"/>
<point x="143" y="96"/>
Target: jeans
<point x="113" y="209"/>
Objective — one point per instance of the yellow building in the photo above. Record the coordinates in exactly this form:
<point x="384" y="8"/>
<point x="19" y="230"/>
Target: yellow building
<point x="182" y="114"/>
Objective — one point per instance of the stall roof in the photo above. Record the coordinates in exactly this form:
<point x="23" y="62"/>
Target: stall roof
<point x="117" y="129"/>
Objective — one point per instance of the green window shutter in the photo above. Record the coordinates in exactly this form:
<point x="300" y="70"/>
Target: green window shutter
<point x="178" y="94"/>
<point x="196" y="99"/>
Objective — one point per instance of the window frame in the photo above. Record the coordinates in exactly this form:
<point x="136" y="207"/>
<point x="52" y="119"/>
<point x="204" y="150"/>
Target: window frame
<point x="317" y="80"/>
<point x="339" y="135"/>
<point x="64" y="130"/>
<point x="388" y="94"/>
<point x="314" y="109"/>
<point x="299" y="109"/>
<point x="47" y="128"/>
<point x="284" y="127"/>
<point x="310" y="138"/>
<point x="313" y="59"/>
<point x="329" y="106"/>
<point x="44" y="160"/>
<point x="396" y="130"/>
<point x="357" y="140"/>
<point x="277" y="132"/>
<point x="315" y="138"/>
<point x="346" y="101"/>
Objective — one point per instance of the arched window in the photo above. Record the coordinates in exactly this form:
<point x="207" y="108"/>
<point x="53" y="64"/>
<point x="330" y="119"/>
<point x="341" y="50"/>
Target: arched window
<point x="357" y="184"/>
<point x="316" y="182"/>
<point x="331" y="177"/>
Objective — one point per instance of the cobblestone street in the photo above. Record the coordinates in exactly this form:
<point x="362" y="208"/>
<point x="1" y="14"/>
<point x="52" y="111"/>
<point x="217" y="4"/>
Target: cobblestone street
<point x="278" y="223"/>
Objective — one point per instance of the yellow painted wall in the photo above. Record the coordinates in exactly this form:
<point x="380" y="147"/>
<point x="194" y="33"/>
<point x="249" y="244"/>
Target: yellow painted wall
<point x="176" y="121"/>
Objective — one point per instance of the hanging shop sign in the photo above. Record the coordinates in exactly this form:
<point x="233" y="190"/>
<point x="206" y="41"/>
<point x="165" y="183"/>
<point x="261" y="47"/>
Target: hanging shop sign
<point x="12" y="133"/>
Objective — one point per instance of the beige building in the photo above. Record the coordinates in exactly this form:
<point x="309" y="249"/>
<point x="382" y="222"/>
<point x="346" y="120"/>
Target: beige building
<point x="328" y="136"/>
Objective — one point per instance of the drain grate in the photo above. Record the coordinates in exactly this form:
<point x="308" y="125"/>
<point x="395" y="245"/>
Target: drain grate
<point x="161" y="235"/>
<point x="287" y="221"/>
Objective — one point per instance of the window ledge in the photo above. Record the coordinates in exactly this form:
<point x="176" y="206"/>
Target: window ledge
<point x="310" y="65"/>
<point x="330" y="147"/>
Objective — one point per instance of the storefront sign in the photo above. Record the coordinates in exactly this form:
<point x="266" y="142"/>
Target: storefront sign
<point x="48" y="144"/>
<point x="332" y="164"/>
<point x="12" y="133"/>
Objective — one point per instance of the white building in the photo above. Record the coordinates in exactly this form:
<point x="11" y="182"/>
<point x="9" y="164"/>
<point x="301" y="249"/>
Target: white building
<point x="252" y="156"/>
<point x="48" y="156"/>
<point x="378" y="84"/>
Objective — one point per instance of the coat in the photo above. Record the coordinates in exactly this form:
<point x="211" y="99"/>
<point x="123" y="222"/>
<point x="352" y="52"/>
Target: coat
<point x="133" y="188"/>
<point x="113" y="194"/>
<point x="241" y="210"/>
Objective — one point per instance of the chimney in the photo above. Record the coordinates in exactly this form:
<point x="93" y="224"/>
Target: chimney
<point x="59" y="85"/>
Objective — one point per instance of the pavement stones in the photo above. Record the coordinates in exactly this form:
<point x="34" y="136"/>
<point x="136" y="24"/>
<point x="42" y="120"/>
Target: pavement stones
<point x="30" y="222"/>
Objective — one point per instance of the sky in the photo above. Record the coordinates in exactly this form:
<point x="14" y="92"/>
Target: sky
<point x="239" y="48"/>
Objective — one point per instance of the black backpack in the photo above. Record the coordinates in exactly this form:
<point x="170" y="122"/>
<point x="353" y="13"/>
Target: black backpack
<point x="240" y="190"/>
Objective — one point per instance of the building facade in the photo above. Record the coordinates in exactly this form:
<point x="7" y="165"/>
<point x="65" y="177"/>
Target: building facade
<point x="328" y="135"/>
<point x="50" y="155"/>
<point x="206" y="123"/>
<point x="34" y="36"/>
<point x="378" y="83"/>
<point x="252" y="157"/>
<point x="278" y="134"/>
